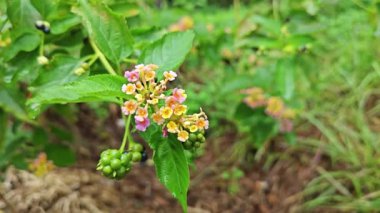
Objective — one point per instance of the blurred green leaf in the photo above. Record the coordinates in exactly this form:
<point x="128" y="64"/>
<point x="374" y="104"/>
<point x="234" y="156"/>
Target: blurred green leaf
<point x="39" y="137"/>
<point x="63" y="24"/>
<point x="108" y="30"/>
<point x="259" y="42"/>
<point x="22" y="15"/>
<point x="285" y="78"/>
<point x="26" y="42"/>
<point x="168" y="52"/>
<point x="10" y="102"/>
<point x="59" y="71"/>
<point x="269" y="26"/>
<point x="94" y="88"/>
<point x="45" y="7"/>
<point x="61" y="155"/>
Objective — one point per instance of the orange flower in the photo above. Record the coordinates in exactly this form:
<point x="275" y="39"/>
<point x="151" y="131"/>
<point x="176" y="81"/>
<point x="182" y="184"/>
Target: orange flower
<point x="158" y="118"/>
<point x="129" y="107"/>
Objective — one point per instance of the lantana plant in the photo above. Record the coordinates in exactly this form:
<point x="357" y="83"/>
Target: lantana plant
<point x="274" y="107"/>
<point x="264" y="116"/>
<point x="148" y="100"/>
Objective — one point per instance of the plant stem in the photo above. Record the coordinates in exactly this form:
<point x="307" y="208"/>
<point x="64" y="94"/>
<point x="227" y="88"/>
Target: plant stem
<point x="131" y="61"/>
<point x="41" y="50"/>
<point x="103" y="59"/>
<point x="93" y="59"/>
<point x="131" y="141"/>
<point x="126" y="133"/>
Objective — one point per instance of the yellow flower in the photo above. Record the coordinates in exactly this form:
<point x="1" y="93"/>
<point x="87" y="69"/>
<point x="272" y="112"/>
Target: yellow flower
<point x="180" y="109"/>
<point x="158" y="118"/>
<point x="170" y="76"/>
<point x="139" y="97"/>
<point x="172" y="127"/>
<point x="193" y="128"/>
<point x="154" y="101"/>
<point x="129" y="88"/>
<point x="183" y="135"/>
<point x="139" y="86"/>
<point x="289" y="114"/>
<point x="166" y="112"/>
<point x="149" y="75"/>
<point x="152" y="66"/>
<point x="275" y="106"/>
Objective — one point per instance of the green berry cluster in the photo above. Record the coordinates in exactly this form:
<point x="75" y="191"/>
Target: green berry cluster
<point x="116" y="164"/>
<point x="195" y="141"/>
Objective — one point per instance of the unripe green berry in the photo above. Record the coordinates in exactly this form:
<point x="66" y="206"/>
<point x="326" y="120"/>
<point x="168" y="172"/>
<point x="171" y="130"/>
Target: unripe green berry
<point x="121" y="171"/>
<point x="115" y="154"/>
<point x="115" y="164"/>
<point x="200" y="136"/>
<point x="192" y="137"/>
<point x="107" y="170"/>
<point x="105" y="160"/>
<point x="105" y="152"/>
<point x="136" y="157"/>
<point x="125" y="158"/>
<point x="137" y="147"/>
<point x="202" y="140"/>
<point x="187" y="144"/>
<point x="197" y="144"/>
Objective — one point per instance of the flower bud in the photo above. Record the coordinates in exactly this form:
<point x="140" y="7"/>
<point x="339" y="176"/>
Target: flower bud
<point x="42" y="60"/>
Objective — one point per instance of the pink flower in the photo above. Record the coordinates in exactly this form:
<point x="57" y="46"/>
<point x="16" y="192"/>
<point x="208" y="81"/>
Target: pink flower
<point x="142" y="125"/>
<point x="179" y="95"/>
<point x="286" y="125"/>
<point x="132" y="76"/>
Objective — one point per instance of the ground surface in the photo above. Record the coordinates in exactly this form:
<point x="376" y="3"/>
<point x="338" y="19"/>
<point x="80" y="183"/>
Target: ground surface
<point x="80" y="187"/>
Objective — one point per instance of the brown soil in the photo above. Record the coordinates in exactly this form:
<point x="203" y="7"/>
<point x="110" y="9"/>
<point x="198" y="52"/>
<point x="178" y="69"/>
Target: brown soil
<point x="82" y="189"/>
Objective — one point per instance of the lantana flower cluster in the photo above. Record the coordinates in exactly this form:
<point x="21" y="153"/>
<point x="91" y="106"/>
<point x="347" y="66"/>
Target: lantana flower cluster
<point x="41" y="165"/>
<point x="274" y="107"/>
<point x="149" y="102"/>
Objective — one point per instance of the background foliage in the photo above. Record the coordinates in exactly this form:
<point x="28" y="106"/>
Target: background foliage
<point x="319" y="57"/>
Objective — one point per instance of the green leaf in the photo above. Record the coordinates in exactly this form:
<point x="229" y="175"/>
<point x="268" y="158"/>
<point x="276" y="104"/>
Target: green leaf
<point x="64" y="24"/>
<point x="45" y="8"/>
<point x="108" y="30"/>
<point x="22" y="15"/>
<point x="59" y="71"/>
<point x="61" y="155"/>
<point x="172" y="169"/>
<point x="168" y="52"/>
<point x="285" y="78"/>
<point x="9" y="101"/>
<point x="152" y="135"/>
<point x="94" y="88"/>
<point x="26" y="42"/>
